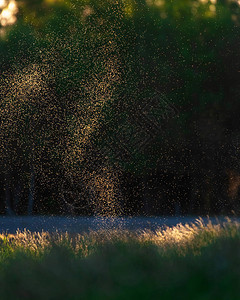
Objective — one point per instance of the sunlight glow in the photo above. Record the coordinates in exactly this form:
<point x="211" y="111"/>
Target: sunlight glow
<point x="181" y="237"/>
<point x="160" y="3"/>
<point x="2" y="3"/>
<point x="8" y="14"/>
<point x="87" y="11"/>
<point x="212" y="8"/>
<point x="12" y="6"/>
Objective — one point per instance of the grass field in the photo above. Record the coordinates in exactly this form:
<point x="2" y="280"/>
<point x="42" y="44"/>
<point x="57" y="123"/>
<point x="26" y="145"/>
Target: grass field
<point x="184" y="262"/>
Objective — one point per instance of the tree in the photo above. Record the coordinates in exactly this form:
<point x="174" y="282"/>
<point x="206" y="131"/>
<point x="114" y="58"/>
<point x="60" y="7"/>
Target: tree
<point x="139" y="87"/>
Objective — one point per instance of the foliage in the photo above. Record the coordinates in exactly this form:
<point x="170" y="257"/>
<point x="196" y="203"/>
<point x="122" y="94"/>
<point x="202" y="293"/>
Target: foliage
<point x="89" y="64"/>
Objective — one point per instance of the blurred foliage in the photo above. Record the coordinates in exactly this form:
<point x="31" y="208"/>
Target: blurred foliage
<point x="97" y="61"/>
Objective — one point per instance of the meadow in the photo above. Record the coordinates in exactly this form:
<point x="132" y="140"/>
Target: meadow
<point x="193" y="261"/>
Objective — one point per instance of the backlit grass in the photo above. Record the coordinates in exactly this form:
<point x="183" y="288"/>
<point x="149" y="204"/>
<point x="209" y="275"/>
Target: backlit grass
<point x="184" y="262"/>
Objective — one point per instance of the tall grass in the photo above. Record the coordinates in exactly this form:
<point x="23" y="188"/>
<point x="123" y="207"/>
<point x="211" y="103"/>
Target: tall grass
<point x="193" y="261"/>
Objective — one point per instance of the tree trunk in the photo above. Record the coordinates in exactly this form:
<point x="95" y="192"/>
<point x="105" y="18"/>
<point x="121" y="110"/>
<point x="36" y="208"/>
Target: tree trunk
<point x="31" y="192"/>
<point x="16" y="197"/>
<point x="8" y="207"/>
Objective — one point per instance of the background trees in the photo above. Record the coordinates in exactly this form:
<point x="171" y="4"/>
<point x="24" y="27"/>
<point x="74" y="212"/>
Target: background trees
<point x="137" y="98"/>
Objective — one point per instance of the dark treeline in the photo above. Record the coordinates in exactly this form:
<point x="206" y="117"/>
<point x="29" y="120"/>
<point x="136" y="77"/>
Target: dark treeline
<point x="120" y="107"/>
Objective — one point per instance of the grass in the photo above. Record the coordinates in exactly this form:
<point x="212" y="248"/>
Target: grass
<point x="184" y="262"/>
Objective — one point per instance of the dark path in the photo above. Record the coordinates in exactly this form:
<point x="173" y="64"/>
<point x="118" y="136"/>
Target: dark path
<point x="84" y="224"/>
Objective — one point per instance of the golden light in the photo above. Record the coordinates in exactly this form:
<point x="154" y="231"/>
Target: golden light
<point x="8" y="14"/>
<point x="2" y="3"/>
<point x="87" y="11"/>
<point x="160" y="3"/>
<point x="53" y="1"/>
<point x="12" y="20"/>
<point x="212" y="8"/>
<point x="12" y="6"/>
<point x="149" y="2"/>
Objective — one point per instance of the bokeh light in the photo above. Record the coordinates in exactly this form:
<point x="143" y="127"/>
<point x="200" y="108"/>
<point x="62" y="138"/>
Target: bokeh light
<point x="8" y="14"/>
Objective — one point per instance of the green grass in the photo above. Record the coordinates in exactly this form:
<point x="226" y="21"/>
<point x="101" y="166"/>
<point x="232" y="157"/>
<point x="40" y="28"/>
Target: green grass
<point x="185" y="262"/>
